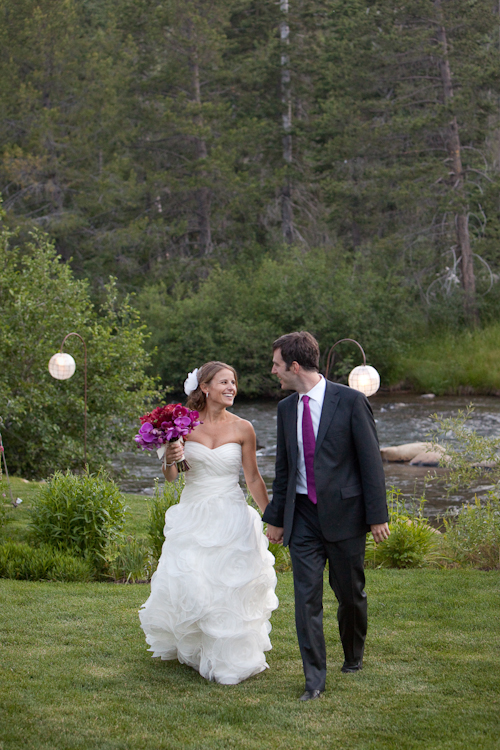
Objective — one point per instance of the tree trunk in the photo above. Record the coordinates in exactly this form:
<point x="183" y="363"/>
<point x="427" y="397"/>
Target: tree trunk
<point x="454" y="152"/>
<point x="286" y="98"/>
<point x="203" y="196"/>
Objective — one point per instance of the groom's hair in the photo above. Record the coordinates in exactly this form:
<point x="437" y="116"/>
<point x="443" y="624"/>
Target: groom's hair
<point x="300" y="347"/>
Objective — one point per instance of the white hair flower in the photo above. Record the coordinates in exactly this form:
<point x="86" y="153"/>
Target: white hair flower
<point x="191" y="382"/>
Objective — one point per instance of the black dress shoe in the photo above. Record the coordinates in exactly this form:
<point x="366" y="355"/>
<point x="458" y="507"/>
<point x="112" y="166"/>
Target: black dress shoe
<point x="347" y="668"/>
<point x="310" y="695"/>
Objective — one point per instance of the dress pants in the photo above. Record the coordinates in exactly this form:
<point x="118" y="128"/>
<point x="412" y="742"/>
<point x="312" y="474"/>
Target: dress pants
<point x="309" y="551"/>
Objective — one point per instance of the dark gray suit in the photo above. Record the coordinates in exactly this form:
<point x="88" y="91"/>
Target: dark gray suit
<point x="350" y="489"/>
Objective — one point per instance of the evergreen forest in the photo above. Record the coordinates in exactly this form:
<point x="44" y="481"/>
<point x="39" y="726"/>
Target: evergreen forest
<point x="244" y="168"/>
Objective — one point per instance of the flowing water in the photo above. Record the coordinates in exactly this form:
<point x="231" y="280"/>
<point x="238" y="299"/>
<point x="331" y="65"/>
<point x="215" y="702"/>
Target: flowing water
<point x="400" y="419"/>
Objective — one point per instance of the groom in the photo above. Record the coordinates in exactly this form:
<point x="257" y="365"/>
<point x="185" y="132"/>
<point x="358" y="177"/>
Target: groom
<point x="329" y="491"/>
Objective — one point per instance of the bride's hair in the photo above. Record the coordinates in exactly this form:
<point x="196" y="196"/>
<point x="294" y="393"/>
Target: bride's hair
<point x="197" y="399"/>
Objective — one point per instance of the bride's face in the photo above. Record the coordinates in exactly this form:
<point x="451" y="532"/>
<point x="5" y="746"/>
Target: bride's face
<point x="222" y="388"/>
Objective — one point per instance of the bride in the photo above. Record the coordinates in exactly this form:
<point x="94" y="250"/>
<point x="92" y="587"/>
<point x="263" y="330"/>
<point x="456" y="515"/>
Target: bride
<point x="213" y="591"/>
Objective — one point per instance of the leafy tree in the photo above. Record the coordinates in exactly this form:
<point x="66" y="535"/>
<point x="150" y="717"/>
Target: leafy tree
<point x="40" y="302"/>
<point x="236" y="314"/>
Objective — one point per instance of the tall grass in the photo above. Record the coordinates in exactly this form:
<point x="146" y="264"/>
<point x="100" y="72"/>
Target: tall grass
<point x="473" y="537"/>
<point x="21" y="561"/>
<point x="458" y="362"/>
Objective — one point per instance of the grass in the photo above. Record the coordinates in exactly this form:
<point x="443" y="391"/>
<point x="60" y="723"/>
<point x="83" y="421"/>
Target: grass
<point x="467" y="361"/>
<point x="75" y="674"/>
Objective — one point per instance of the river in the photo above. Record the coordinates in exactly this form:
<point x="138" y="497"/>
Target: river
<point x="403" y="418"/>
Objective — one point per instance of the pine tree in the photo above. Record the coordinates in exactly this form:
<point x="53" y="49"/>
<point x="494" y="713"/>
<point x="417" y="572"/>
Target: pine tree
<point x="407" y="94"/>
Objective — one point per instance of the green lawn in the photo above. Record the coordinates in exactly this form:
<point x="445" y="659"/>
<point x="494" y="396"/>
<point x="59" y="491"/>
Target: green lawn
<point x="74" y="673"/>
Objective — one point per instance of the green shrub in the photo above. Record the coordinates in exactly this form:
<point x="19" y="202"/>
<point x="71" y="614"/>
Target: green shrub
<point x="130" y="561"/>
<point x="79" y="514"/>
<point x="413" y="542"/>
<point x="163" y="499"/>
<point x="469" y="456"/>
<point x="20" y="560"/>
<point x="320" y="291"/>
<point x="282" y="559"/>
<point x="473" y="536"/>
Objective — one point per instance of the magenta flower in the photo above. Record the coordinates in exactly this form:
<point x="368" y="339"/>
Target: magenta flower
<point x="172" y="422"/>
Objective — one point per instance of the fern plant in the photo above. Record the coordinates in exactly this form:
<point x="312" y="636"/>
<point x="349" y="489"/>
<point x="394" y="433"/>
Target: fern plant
<point x="413" y="542"/>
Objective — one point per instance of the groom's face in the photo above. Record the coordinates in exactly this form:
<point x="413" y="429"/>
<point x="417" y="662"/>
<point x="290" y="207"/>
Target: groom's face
<point x="287" y="377"/>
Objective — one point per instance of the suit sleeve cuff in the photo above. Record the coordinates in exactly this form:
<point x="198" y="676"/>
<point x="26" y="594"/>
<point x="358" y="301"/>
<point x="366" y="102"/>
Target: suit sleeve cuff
<point x="272" y="516"/>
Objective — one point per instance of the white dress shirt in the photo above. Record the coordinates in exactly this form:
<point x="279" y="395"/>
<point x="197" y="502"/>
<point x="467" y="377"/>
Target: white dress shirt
<point x="316" y="398"/>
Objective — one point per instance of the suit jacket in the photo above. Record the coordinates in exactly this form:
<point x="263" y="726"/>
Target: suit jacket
<point x="348" y="470"/>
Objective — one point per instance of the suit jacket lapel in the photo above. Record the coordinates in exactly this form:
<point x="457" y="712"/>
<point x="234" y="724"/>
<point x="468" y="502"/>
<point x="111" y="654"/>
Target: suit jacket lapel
<point x="290" y="425"/>
<point x="329" y="407"/>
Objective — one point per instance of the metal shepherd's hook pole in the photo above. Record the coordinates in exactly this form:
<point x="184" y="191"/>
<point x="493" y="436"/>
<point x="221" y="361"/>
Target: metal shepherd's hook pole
<point x="2" y="451"/>
<point x="73" y="333"/>
<point x="331" y="359"/>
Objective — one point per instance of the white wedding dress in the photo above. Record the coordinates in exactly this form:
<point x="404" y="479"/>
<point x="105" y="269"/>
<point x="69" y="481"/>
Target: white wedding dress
<point x="213" y="591"/>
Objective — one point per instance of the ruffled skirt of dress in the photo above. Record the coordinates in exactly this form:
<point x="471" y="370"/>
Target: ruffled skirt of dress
<point x="213" y="591"/>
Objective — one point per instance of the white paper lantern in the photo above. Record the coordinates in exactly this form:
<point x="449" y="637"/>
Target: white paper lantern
<point x="62" y="366"/>
<point x="365" y="379"/>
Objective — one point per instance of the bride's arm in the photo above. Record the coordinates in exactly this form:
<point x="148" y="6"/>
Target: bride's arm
<point x="253" y="479"/>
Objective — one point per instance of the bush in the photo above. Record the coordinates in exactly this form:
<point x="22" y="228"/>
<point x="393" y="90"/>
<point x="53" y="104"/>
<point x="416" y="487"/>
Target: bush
<point x="162" y="500"/>
<point x="237" y="312"/>
<point x="79" y="514"/>
<point x="130" y="561"/>
<point x="469" y="455"/>
<point x="40" y="302"/>
<point x="19" y="560"/>
<point x="473" y="536"/>
<point x="413" y="541"/>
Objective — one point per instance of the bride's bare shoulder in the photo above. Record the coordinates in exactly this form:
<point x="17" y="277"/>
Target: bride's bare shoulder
<point x="244" y="427"/>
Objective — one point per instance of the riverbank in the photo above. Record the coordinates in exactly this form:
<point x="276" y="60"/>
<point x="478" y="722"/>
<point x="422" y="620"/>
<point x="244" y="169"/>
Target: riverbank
<point x="465" y="363"/>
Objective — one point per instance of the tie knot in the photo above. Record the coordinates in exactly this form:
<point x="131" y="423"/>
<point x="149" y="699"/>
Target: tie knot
<point x="305" y="399"/>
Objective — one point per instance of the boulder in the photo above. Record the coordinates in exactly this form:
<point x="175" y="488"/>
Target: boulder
<point x="428" y="458"/>
<point x="417" y="454"/>
<point x="403" y="453"/>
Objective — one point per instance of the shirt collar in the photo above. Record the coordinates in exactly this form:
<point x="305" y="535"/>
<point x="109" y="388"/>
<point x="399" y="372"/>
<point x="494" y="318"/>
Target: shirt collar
<point x="317" y="392"/>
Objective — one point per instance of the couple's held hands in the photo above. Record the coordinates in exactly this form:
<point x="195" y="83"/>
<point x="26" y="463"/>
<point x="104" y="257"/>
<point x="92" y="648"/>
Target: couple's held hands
<point x="274" y="534"/>
<point x="380" y="531"/>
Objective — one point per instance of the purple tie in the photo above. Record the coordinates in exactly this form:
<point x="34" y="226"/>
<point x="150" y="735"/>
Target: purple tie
<point x="309" y="442"/>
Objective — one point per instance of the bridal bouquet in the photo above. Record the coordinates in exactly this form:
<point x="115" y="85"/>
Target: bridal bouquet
<point x="166" y="424"/>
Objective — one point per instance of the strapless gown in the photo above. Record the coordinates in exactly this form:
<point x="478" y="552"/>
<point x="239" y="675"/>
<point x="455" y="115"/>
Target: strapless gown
<point x="213" y="591"/>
